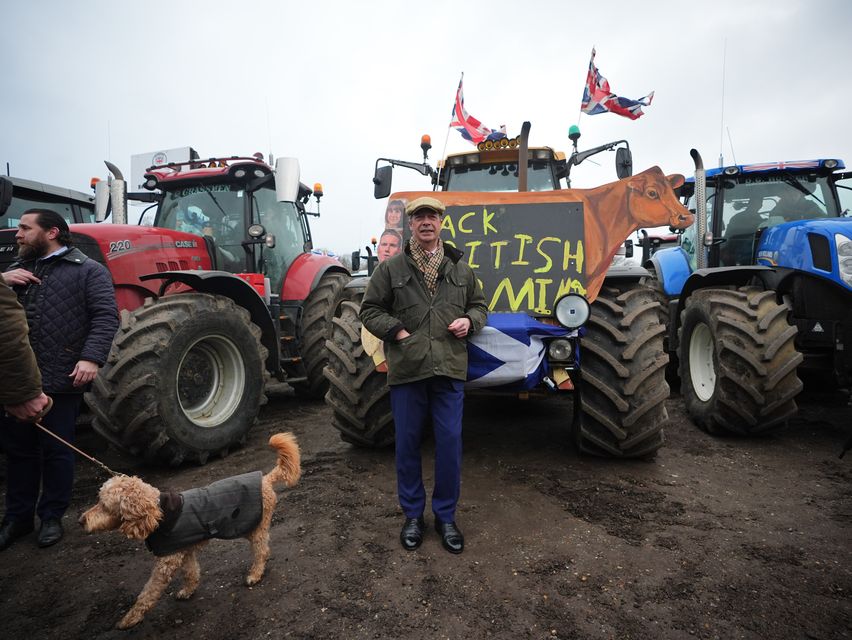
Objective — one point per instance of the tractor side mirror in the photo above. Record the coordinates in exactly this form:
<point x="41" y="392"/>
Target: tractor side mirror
<point x="623" y="162"/>
<point x="5" y="194"/>
<point x="287" y="179"/>
<point x="382" y="181"/>
<point x="356" y="261"/>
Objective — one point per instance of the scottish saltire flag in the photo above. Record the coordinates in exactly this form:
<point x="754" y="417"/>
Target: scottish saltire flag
<point x="598" y="98"/>
<point x="509" y="351"/>
<point x="470" y="128"/>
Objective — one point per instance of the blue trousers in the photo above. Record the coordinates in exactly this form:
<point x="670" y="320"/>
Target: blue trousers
<point x="440" y="399"/>
<point x="36" y="461"/>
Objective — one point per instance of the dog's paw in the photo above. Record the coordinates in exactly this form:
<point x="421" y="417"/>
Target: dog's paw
<point x="252" y="579"/>
<point x="185" y="594"/>
<point x="129" y="620"/>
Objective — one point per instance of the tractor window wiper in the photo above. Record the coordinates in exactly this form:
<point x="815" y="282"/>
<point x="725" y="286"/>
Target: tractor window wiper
<point x="798" y="186"/>
<point x="213" y="198"/>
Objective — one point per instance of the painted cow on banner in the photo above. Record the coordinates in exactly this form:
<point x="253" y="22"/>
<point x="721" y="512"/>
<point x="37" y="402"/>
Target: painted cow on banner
<point x="614" y="211"/>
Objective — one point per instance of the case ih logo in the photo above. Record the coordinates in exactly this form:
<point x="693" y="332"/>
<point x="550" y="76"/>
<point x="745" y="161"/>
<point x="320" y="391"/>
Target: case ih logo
<point x="159" y="158"/>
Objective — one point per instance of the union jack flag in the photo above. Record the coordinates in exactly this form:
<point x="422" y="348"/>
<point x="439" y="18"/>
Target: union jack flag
<point x="769" y="166"/>
<point x="598" y="98"/>
<point x="470" y="128"/>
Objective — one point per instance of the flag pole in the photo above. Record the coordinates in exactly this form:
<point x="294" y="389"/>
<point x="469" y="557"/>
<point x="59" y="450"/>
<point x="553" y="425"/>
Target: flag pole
<point x="447" y="138"/>
<point x="580" y="114"/>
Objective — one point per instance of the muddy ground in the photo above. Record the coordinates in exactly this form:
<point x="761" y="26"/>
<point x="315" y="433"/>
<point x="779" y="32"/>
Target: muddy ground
<point x="716" y="538"/>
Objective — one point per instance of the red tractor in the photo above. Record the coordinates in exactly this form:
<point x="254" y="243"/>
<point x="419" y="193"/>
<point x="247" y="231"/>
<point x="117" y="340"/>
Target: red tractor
<point x="220" y="294"/>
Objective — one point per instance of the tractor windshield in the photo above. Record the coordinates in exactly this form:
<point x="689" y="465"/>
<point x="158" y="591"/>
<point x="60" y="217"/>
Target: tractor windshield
<point x="740" y="206"/>
<point x="500" y="177"/>
<point x="751" y="203"/>
<point x="214" y="210"/>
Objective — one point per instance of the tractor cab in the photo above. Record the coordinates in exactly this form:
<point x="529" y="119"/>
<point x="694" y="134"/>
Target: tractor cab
<point x="494" y="167"/>
<point x="743" y="201"/>
<point x="497" y="165"/>
<point x="234" y="205"/>
<point x="18" y="195"/>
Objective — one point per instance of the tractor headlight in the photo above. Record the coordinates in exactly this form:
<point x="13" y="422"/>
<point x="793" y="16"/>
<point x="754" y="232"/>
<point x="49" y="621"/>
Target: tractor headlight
<point x="844" y="257"/>
<point x="560" y="350"/>
<point x="572" y="310"/>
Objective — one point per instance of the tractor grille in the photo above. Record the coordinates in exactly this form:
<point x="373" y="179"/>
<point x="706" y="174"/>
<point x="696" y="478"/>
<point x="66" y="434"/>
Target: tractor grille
<point x="172" y="265"/>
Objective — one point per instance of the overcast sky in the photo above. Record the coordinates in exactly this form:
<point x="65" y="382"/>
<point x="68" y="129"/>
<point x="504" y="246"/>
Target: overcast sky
<point x="338" y="84"/>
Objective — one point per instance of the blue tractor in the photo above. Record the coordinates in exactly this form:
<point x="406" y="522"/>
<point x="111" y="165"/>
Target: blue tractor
<point x="757" y="296"/>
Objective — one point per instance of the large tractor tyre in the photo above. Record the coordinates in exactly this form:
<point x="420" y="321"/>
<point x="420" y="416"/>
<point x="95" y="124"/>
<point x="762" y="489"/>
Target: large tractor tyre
<point x="184" y="380"/>
<point x="316" y="328"/>
<point x="358" y="394"/>
<point x="738" y="361"/>
<point x="656" y="288"/>
<point x="623" y="367"/>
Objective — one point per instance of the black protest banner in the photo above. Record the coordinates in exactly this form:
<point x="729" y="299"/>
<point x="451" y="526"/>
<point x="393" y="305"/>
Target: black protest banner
<point x="526" y="256"/>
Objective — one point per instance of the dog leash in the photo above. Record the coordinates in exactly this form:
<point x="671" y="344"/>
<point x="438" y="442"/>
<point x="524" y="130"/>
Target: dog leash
<point x="71" y="446"/>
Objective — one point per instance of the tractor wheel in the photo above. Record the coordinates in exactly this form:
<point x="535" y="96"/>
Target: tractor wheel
<point x="738" y="361"/>
<point x="656" y="287"/>
<point x="623" y="369"/>
<point x="316" y="327"/>
<point x="185" y="379"/>
<point x="358" y="394"/>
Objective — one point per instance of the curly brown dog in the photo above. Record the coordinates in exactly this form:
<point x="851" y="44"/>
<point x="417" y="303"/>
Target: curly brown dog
<point x="175" y="526"/>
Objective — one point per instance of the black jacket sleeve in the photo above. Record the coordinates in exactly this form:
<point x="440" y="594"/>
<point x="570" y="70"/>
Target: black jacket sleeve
<point x="102" y="311"/>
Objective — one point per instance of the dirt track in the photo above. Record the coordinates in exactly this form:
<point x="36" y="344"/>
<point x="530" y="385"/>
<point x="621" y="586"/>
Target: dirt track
<point x="716" y="538"/>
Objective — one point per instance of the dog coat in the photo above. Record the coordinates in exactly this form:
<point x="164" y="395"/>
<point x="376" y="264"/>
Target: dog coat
<point x="226" y="509"/>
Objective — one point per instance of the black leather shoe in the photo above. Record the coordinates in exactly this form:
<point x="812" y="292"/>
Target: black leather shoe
<point x="50" y="533"/>
<point x="411" y="535"/>
<point x="451" y="537"/>
<point x="11" y="531"/>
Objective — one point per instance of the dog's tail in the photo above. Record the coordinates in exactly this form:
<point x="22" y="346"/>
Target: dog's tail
<point x="289" y="467"/>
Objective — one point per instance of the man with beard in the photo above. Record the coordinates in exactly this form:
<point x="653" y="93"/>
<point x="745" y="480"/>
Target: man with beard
<point x="72" y="316"/>
<point x="424" y="303"/>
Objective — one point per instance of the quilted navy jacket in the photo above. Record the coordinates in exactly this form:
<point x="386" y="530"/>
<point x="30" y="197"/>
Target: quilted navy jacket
<point x="72" y="315"/>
